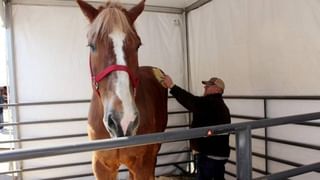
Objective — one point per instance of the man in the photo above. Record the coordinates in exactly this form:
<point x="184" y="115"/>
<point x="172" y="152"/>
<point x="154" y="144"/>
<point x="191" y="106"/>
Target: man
<point x="208" y="110"/>
<point x="2" y="101"/>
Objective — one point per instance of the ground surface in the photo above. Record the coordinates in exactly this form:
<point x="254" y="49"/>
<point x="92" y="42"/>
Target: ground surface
<point x="176" y="178"/>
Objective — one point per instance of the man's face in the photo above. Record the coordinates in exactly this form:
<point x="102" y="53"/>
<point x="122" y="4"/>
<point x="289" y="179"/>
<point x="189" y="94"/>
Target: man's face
<point x="212" y="89"/>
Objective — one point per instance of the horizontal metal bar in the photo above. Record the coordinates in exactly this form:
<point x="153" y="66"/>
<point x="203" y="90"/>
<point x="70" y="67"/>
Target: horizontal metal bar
<point x="45" y="121"/>
<point x="196" y="5"/>
<point x="68" y="136"/>
<point x="253" y="153"/>
<point x="170" y="97"/>
<point x="44" y="103"/>
<point x="123" y="170"/>
<point x="174" y="152"/>
<point x="82" y="135"/>
<point x="313" y="124"/>
<point x="100" y="144"/>
<point x="66" y="120"/>
<point x="230" y="174"/>
<point x="279" y="160"/>
<point x="173" y="163"/>
<point x="286" y="142"/>
<point x="246" y="117"/>
<point x="74" y="120"/>
<point x="50" y="138"/>
<point x="178" y="112"/>
<point x="169" y="127"/>
<point x="47" y="167"/>
<point x="148" y="8"/>
<point x="283" y="120"/>
<point x="263" y="123"/>
<point x="273" y="97"/>
<point x="283" y="161"/>
<point x="70" y="177"/>
<point x="133" y="141"/>
<point x="44" y="138"/>
<point x="78" y="164"/>
<point x="253" y="168"/>
<point x="162" y="9"/>
<point x="271" y="158"/>
<point x="178" y="126"/>
<point x="292" y="172"/>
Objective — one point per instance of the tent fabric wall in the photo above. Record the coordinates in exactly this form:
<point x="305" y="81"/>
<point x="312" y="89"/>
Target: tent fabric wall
<point x="2" y="13"/>
<point x="3" y="66"/>
<point x="51" y="64"/>
<point x="266" y="47"/>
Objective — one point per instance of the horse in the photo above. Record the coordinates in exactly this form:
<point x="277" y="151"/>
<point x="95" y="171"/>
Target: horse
<point x="127" y="99"/>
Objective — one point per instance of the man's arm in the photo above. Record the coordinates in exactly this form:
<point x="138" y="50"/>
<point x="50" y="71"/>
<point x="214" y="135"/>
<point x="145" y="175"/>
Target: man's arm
<point x="186" y="99"/>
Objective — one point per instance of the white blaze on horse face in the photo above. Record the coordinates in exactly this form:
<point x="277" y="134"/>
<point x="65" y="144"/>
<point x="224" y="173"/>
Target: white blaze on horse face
<point x="122" y="86"/>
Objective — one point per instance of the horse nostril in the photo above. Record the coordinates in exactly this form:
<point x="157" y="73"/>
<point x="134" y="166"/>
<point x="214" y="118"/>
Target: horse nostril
<point x="133" y="126"/>
<point x="113" y="126"/>
<point x="111" y="122"/>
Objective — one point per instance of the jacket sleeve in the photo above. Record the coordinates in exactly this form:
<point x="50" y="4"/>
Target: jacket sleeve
<point x="186" y="99"/>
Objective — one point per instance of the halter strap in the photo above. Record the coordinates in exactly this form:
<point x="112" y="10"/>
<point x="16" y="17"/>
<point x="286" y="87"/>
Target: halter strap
<point x="106" y="71"/>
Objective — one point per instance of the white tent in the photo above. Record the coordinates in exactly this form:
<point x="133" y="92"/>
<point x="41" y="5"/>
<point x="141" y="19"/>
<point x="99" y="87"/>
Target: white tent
<point x="266" y="47"/>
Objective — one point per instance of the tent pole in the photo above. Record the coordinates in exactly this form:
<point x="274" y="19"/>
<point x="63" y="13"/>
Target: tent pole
<point x="12" y="73"/>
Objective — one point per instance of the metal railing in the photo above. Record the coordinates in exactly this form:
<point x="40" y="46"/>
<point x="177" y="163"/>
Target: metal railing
<point x="266" y="102"/>
<point x="240" y="133"/>
<point x="65" y="136"/>
<point x="242" y="130"/>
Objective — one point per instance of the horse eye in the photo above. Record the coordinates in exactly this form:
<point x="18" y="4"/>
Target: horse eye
<point x="138" y="46"/>
<point x="92" y="47"/>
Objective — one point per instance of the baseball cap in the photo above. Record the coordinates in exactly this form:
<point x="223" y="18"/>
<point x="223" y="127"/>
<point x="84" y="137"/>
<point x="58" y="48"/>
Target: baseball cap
<point x="215" y="81"/>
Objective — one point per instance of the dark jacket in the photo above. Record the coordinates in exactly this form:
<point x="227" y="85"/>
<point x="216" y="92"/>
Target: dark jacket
<point x="1" y="102"/>
<point x="207" y="110"/>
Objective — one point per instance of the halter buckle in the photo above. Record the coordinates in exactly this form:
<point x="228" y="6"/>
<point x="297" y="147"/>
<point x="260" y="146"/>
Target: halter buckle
<point x="96" y="86"/>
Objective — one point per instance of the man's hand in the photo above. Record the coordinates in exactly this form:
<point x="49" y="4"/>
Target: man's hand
<point x="167" y="81"/>
<point x="164" y="79"/>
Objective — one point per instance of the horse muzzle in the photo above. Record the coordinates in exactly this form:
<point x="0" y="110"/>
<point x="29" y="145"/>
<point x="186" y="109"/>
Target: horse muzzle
<point x="118" y="125"/>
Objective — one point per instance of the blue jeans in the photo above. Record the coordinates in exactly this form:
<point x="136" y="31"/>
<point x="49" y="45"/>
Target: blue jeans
<point x="208" y="169"/>
<point x="1" y="120"/>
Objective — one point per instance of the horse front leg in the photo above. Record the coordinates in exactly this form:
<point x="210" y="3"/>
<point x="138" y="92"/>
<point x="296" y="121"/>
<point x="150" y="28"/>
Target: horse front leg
<point x="144" y="166"/>
<point x="104" y="169"/>
<point x="144" y="173"/>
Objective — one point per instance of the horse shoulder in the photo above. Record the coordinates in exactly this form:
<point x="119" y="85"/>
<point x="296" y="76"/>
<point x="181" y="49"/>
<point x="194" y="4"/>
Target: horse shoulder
<point x="152" y="98"/>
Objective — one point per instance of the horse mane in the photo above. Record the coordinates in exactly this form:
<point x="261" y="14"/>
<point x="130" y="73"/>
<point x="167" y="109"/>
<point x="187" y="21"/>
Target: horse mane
<point x="111" y="17"/>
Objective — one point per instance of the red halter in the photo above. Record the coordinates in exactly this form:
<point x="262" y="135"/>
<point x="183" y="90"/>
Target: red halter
<point x="97" y="78"/>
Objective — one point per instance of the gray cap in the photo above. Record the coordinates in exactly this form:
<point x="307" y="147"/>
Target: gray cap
<point x="215" y="81"/>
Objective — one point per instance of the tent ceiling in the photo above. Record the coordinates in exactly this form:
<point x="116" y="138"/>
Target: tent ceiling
<point x="164" y="3"/>
<point x="161" y="3"/>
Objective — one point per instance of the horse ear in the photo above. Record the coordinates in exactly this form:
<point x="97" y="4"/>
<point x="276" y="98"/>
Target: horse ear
<point x="89" y="11"/>
<point x="136" y="11"/>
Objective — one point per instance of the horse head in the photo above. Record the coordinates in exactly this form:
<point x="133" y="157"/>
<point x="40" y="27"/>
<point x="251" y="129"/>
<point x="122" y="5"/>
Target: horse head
<point x="114" y="45"/>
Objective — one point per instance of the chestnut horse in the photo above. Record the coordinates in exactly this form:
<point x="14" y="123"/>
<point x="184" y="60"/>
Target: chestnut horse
<point x="127" y="99"/>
